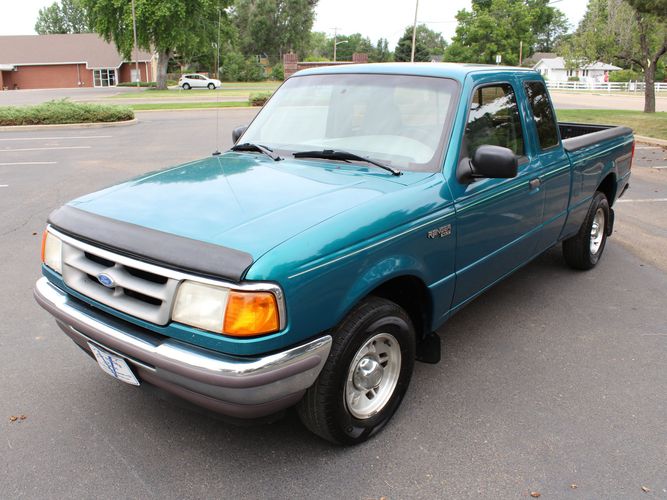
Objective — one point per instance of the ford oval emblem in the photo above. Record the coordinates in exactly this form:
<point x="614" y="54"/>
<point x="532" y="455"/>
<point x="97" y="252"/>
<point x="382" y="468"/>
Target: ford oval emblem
<point x="106" y="280"/>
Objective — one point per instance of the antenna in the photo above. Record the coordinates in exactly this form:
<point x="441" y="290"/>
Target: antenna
<point x="217" y="94"/>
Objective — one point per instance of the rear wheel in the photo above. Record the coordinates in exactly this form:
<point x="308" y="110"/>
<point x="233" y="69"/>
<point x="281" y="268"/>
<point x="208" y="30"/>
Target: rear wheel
<point x="583" y="251"/>
<point x="186" y="86"/>
<point x="366" y="376"/>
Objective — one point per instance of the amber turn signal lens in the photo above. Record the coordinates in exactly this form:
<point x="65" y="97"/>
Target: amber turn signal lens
<point x="43" y="243"/>
<point x="251" y="313"/>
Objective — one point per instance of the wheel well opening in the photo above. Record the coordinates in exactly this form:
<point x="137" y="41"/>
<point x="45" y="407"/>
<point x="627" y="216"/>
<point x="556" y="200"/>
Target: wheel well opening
<point x="411" y="294"/>
<point x="608" y="188"/>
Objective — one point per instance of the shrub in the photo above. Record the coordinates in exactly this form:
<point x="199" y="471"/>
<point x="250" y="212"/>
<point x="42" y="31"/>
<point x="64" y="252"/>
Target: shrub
<point x="278" y="72"/>
<point x="572" y="78"/>
<point x="134" y="84"/>
<point x="63" y="111"/>
<point x="259" y="99"/>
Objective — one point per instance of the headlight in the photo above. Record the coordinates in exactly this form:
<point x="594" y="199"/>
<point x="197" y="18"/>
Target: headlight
<point x="230" y="312"/>
<point x="52" y="252"/>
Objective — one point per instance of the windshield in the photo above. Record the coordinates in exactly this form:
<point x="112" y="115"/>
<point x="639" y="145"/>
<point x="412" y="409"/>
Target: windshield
<point x="399" y="120"/>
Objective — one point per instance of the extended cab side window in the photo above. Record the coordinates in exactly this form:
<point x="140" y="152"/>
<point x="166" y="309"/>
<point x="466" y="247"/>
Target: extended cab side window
<point x="493" y="119"/>
<point x="545" y="121"/>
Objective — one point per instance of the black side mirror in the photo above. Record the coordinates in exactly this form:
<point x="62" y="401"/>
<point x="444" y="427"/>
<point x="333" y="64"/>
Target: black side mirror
<point x="488" y="161"/>
<point x="238" y="132"/>
<point x="494" y="162"/>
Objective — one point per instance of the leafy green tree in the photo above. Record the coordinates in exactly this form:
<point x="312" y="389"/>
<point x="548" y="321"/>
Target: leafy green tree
<point x="614" y="31"/>
<point x="274" y="27"/>
<point x="163" y="26"/>
<point x="427" y="43"/>
<point x="381" y="52"/>
<point x="68" y="16"/>
<point x="494" y="27"/>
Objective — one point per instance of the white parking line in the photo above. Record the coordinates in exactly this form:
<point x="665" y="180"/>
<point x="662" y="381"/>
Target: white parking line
<point x="4" y="185"/>
<point x="28" y="163"/>
<point x="44" y="149"/>
<point x="645" y="200"/>
<point x="648" y="147"/>
<point x="56" y="138"/>
<point x="660" y="167"/>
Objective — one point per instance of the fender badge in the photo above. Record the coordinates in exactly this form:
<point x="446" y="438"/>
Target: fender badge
<point x="440" y="232"/>
<point x="106" y="280"/>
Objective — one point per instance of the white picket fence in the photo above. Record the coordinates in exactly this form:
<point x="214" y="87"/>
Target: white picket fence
<point x="605" y="87"/>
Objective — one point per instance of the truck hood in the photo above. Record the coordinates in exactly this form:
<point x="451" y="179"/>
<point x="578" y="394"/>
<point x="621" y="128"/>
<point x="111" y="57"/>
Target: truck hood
<point x="242" y="201"/>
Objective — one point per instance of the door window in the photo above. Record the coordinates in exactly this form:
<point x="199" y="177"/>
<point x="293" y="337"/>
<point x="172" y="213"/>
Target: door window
<point x="493" y="119"/>
<point x="545" y="121"/>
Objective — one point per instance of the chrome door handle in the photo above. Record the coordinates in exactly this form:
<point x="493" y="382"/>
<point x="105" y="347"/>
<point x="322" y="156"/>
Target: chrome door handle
<point x="534" y="183"/>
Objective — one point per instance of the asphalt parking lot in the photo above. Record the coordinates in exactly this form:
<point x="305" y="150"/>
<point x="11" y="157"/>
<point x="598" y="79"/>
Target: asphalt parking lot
<point x="555" y="381"/>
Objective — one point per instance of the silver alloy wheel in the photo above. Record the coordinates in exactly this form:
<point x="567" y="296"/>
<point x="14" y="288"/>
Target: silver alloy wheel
<point x="597" y="231"/>
<point x="372" y="376"/>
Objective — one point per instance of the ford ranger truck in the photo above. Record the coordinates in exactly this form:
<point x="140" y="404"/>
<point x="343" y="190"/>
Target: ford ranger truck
<point x="310" y="264"/>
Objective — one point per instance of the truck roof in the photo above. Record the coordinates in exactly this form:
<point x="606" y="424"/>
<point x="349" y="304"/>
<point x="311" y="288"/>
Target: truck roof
<point x="457" y="71"/>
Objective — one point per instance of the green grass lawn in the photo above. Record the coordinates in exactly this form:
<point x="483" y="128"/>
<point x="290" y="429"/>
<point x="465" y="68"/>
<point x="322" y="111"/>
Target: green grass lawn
<point x="234" y="89"/>
<point x="647" y="124"/>
<point x="148" y="106"/>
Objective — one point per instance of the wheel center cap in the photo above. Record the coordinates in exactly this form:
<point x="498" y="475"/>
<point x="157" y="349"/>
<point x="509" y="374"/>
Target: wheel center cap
<point x="368" y="374"/>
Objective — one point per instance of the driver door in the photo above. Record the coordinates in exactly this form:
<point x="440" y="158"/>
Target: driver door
<point x="498" y="220"/>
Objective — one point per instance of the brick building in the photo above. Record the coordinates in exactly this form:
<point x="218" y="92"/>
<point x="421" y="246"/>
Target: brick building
<point x="66" y="61"/>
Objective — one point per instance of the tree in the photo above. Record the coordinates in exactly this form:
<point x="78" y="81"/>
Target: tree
<point x="495" y="27"/>
<point x="274" y="27"/>
<point x="381" y="52"/>
<point x="68" y="16"/>
<point x="427" y="43"/>
<point x="615" y="31"/>
<point x="163" y="26"/>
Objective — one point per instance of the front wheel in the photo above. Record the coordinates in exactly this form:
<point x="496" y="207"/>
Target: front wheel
<point x="583" y="251"/>
<point x="366" y="375"/>
<point x="211" y="86"/>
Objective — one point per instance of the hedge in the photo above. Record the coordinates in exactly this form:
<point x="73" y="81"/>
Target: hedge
<point x="63" y="111"/>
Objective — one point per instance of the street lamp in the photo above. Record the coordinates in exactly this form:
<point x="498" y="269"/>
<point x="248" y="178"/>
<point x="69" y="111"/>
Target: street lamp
<point x="336" y="44"/>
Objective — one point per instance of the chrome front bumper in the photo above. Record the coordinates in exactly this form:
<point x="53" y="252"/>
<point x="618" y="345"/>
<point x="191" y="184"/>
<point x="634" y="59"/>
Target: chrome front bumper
<point x="245" y="387"/>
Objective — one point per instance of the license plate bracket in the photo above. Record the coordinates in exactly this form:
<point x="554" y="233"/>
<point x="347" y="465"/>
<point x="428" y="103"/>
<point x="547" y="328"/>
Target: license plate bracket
<point x="113" y="365"/>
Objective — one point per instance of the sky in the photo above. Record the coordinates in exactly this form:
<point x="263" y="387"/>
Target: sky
<point x="373" y="18"/>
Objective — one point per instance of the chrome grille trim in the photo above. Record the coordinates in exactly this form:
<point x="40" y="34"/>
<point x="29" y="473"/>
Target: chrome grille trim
<point x="74" y="252"/>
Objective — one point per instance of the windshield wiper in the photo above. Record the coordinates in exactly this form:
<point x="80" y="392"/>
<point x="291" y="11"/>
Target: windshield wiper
<point x="334" y="154"/>
<point x="250" y="146"/>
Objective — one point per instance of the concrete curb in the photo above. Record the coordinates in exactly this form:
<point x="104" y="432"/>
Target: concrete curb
<point x="650" y="140"/>
<point x="23" y="128"/>
<point x="194" y="109"/>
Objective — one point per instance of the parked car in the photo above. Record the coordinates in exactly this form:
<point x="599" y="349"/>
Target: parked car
<point x="194" y="81"/>
<point x="311" y="263"/>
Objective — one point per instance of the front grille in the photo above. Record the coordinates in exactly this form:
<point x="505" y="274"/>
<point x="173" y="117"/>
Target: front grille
<point x="137" y="292"/>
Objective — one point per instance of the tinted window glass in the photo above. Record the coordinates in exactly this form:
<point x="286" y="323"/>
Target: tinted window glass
<point x="493" y="119"/>
<point x="545" y="121"/>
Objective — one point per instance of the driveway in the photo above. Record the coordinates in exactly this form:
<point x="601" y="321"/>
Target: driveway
<point x="554" y="381"/>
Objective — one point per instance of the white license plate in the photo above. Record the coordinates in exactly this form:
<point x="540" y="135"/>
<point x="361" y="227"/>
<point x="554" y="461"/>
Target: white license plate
<point x="113" y="365"/>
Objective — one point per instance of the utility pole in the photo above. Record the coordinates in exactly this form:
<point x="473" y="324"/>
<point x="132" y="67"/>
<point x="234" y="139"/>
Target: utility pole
<point x="217" y="48"/>
<point x="414" y="32"/>
<point x="335" y="44"/>
<point x="136" y="48"/>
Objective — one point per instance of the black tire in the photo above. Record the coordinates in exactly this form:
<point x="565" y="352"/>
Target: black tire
<point x="186" y="86"/>
<point x="324" y="409"/>
<point x="577" y="250"/>
<point x="211" y="86"/>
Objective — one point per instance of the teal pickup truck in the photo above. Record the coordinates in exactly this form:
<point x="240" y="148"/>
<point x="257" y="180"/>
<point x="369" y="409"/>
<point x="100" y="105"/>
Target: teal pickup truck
<point x="311" y="263"/>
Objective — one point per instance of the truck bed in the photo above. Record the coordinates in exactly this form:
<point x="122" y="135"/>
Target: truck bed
<point x="581" y="135"/>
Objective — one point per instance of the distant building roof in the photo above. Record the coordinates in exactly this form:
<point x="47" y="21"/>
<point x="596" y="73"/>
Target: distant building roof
<point x="559" y="63"/>
<point x="88" y="48"/>
<point x="538" y="56"/>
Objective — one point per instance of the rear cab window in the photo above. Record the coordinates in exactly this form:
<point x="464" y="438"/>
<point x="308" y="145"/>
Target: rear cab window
<point x="543" y="113"/>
